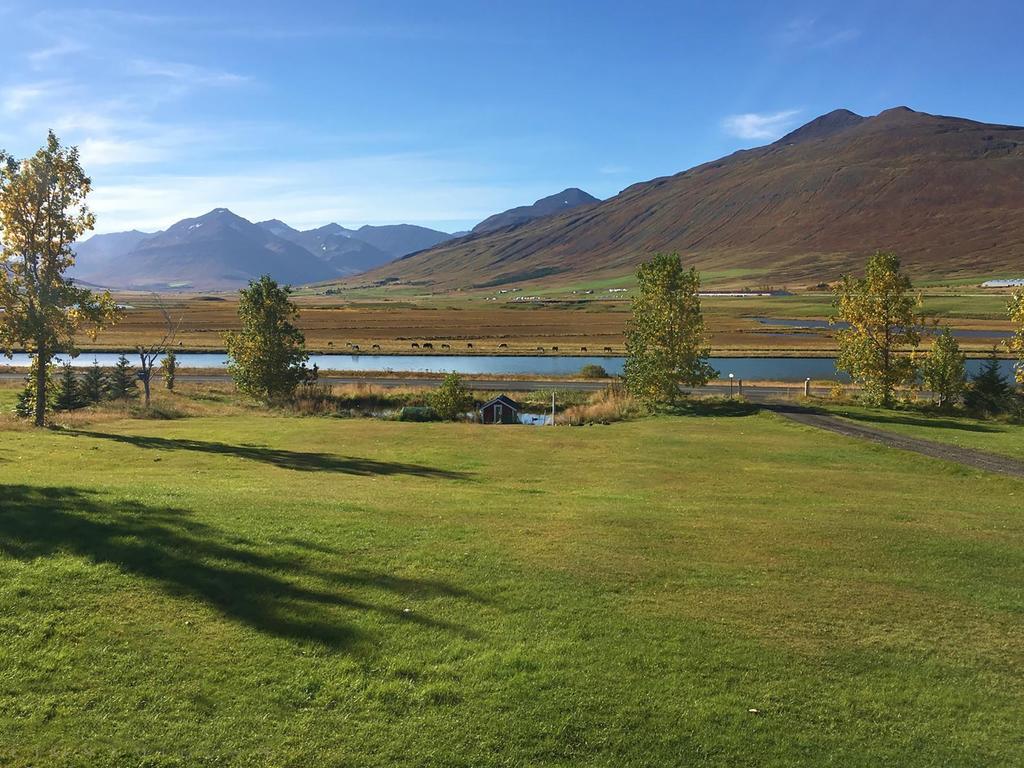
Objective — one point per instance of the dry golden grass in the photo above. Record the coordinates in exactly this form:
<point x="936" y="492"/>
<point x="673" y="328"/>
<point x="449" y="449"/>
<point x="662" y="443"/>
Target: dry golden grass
<point x="605" y="407"/>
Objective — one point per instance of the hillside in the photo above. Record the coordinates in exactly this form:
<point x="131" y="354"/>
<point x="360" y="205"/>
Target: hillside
<point x="946" y="193"/>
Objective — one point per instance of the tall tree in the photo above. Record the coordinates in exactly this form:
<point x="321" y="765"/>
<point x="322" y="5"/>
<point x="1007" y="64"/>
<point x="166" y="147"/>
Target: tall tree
<point x="42" y="212"/>
<point x="881" y="312"/>
<point x="665" y="342"/>
<point x="944" y="369"/>
<point x="1017" y="343"/>
<point x="268" y="355"/>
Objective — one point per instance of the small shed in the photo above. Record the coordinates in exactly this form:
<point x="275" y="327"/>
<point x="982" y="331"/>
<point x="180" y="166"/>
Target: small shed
<point x="500" y="410"/>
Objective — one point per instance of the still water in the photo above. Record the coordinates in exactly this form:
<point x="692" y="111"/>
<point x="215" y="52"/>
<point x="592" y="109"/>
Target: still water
<point x="746" y="368"/>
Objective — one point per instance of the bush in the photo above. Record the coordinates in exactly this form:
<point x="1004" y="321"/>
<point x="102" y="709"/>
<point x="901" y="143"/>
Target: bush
<point x="593" y="371"/>
<point x="418" y="413"/>
<point x="451" y="400"/>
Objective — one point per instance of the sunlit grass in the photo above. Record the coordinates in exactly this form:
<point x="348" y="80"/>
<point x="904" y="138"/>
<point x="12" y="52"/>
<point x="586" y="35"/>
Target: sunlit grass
<point x="249" y="589"/>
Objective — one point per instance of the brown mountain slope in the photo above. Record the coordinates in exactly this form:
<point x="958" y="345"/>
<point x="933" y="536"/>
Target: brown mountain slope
<point x="944" y="192"/>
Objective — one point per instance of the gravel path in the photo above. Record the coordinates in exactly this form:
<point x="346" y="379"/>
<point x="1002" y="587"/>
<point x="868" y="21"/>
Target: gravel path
<point x="989" y="462"/>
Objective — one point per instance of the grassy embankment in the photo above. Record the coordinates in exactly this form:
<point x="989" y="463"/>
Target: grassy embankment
<point x="250" y="589"/>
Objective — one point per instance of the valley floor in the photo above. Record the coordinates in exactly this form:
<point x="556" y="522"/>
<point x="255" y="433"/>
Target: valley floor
<point x="244" y="588"/>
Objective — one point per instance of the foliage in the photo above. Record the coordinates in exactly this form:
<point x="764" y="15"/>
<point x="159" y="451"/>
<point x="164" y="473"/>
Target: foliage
<point x="42" y="212"/>
<point x="451" y="400"/>
<point x="880" y="311"/>
<point x="989" y="393"/>
<point x="122" y="384"/>
<point x="418" y="413"/>
<point x="1017" y="343"/>
<point x="593" y="371"/>
<point x="665" y="341"/>
<point x="94" y="383"/>
<point x="25" y="406"/>
<point x="69" y="395"/>
<point x="944" y="370"/>
<point x="169" y="366"/>
<point x="268" y="356"/>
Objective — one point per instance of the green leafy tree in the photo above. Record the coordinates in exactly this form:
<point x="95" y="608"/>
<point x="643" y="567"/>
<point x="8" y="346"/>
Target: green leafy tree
<point x="944" y="369"/>
<point x="268" y="355"/>
<point x="25" y="406"/>
<point x="69" y="395"/>
<point x="451" y="399"/>
<point x="881" y="313"/>
<point x="122" y="381"/>
<point x="42" y="212"/>
<point x="170" y="368"/>
<point x="1017" y="343"/>
<point x="94" y="383"/>
<point x="665" y="341"/>
<point x="989" y="393"/>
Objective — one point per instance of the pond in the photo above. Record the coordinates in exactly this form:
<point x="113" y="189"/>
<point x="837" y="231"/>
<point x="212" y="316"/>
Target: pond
<point x="746" y="368"/>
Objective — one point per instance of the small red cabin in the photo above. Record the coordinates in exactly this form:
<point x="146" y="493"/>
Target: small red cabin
<point x="500" y="410"/>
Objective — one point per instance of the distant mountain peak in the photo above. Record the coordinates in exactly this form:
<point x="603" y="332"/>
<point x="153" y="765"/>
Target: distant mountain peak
<point x="571" y="197"/>
<point x="822" y="127"/>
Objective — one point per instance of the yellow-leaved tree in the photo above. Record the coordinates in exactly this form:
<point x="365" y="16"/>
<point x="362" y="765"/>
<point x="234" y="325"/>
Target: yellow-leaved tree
<point x="42" y="212"/>
<point x="880" y="313"/>
<point x="1017" y="344"/>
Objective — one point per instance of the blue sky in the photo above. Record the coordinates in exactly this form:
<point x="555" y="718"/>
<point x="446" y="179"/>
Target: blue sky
<point x="441" y="113"/>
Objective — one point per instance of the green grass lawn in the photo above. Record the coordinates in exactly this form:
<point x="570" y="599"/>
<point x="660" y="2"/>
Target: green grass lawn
<point x="268" y="590"/>
<point x="980" y="434"/>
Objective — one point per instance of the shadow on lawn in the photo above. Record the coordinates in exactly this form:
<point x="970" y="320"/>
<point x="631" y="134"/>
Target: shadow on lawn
<point x="275" y="593"/>
<point x="302" y="461"/>
<point x="918" y="421"/>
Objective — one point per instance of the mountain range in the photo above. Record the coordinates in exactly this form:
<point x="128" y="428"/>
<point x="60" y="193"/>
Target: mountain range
<point x="221" y="250"/>
<point x="945" y="193"/>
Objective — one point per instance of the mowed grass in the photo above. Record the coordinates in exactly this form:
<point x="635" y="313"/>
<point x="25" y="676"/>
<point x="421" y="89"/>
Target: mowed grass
<point x="270" y="590"/>
<point x="978" y="434"/>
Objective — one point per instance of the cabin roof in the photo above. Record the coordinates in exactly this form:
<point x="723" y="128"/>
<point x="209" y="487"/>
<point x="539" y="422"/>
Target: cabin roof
<point x="504" y="400"/>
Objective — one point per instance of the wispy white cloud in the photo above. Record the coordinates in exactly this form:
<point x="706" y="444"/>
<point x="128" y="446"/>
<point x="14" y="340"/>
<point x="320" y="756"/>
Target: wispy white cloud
<point x="613" y="170"/>
<point x="760" y="126"/>
<point x="51" y="53"/>
<point x="16" y="99"/>
<point x="186" y="74"/>
<point x="810" y="32"/>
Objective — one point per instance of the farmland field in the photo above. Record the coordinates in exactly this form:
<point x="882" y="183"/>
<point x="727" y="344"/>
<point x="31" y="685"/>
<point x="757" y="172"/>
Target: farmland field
<point x="475" y="325"/>
<point x="249" y="588"/>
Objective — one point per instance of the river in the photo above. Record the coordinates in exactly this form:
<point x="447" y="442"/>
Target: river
<point x="746" y="368"/>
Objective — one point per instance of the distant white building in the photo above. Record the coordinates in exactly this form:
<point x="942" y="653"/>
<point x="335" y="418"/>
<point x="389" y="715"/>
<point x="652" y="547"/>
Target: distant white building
<point x="1017" y="282"/>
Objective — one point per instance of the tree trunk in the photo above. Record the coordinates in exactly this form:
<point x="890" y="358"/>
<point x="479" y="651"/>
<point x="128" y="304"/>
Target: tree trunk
<point x="145" y="385"/>
<point x="41" y="360"/>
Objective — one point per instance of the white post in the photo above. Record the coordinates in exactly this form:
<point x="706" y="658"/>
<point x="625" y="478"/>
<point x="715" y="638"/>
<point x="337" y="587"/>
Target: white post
<point x="807" y="387"/>
<point x="552" y="407"/>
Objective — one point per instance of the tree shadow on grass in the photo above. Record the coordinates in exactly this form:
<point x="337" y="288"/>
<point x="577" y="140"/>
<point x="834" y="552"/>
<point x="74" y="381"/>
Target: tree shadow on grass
<point x="302" y="461"/>
<point x="272" y="592"/>
<point x="713" y="407"/>
<point x="918" y="421"/>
